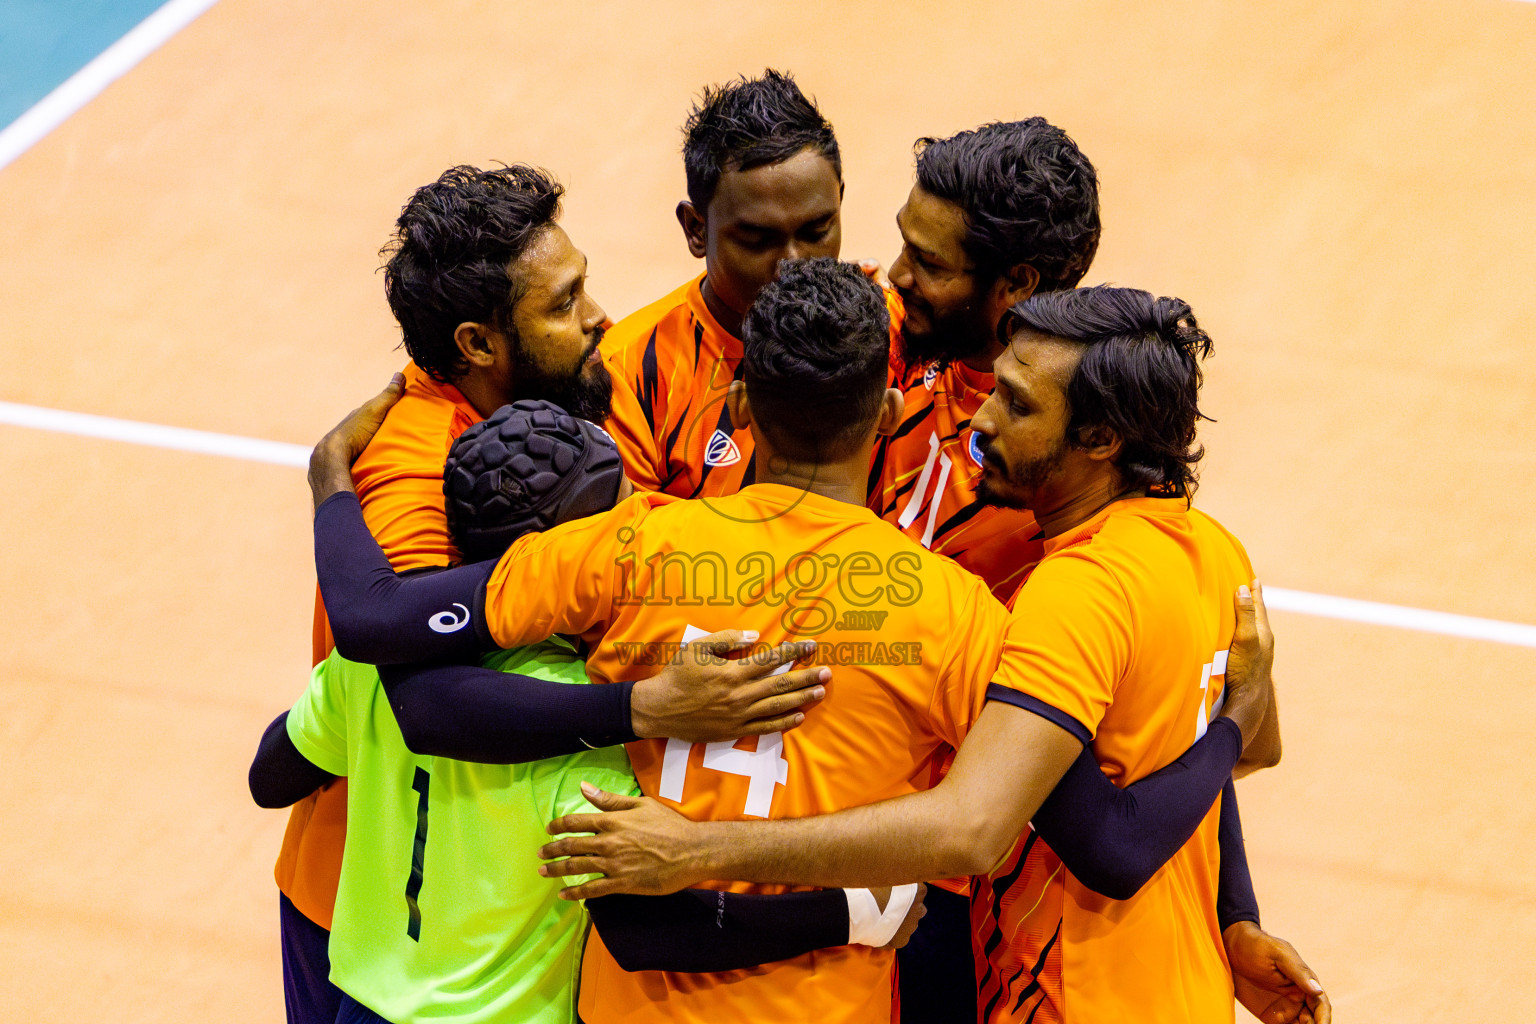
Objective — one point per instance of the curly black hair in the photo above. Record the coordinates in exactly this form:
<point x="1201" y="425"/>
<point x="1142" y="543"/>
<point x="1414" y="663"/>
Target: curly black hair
<point x="448" y="261"/>
<point x="747" y="123"/>
<point x="1028" y="193"/>
<point x="1139" y="375"/>
<point x="815" y="356"/>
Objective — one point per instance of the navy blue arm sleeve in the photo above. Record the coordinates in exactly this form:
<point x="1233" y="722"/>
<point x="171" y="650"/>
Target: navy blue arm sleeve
<point x="471" y="713"/>
<point x="1235" y="900"/>
<point x="706" y="930"/>
<point x="1115" y="839"/>
<point x="381" y="618"/>
<point x="280" y="775"/>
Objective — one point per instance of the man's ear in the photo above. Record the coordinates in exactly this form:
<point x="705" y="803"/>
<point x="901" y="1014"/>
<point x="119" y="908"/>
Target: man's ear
<point x="694" y="228"/>
<point x="1099" y="443"/>
<point x="740" y="408"/>
<point x="474" y="344"/>
<point x="1018" y="283"/>
<point x="892" y="405"/>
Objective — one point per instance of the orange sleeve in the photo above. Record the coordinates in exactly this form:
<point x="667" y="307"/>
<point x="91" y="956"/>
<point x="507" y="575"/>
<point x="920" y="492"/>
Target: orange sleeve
<point x="630" y="421"/>
<point x="563" y="580"/>
<point x="1069" y="638"/>
<point x="970" y="663"/>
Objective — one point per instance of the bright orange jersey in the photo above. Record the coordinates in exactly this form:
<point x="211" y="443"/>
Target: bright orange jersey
<point x="399" y="480"/>
<point x="913" y="640"/>
<point x="671" y="364"/>
<point x="923" y="478"/>
<point x="1124" y="627"/>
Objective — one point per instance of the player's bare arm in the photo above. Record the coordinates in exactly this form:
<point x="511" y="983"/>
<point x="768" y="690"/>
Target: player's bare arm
<point x="1004" y="770"/>
<point x="330" y="464"/>
<point x="1250" y="701"/>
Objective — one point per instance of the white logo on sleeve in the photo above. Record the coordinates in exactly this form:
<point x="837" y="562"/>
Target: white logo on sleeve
<point x="721" y="450"/>
<point x="445" y="622"/>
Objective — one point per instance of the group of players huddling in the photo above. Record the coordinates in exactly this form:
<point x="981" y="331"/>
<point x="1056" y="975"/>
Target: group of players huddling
<point x="885" y="582"/>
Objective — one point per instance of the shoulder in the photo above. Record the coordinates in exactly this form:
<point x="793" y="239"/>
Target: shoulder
<point x="627" y="341"/>
<point x="1210" y="528"/>
<point x="417" y="433"/>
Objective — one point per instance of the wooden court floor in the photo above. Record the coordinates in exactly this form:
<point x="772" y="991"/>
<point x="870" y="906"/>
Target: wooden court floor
<point x="1343" y="191"/>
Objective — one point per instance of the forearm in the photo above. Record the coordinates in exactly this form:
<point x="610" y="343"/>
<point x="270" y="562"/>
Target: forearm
<point x="1264" y="751"/>
<point x="963" y="826"/>
<point x="910" y="838"/>
<point x="280" y="775"/>
<point x="330" y="470"/>
<point x="1114" y="840"/>
<point x="476" y="714"/>
<point x="380" y="618"/>
<point x="708" y="930"/>
<point x="1235" y="899"/>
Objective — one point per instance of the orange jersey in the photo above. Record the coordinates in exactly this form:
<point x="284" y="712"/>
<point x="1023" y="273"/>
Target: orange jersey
<point x="1123" y="628"/>
<point x="912" y="639"/>
<point x="671" y="364"/>
<point x="399" y="480"/>
<point x="923" y="477"/>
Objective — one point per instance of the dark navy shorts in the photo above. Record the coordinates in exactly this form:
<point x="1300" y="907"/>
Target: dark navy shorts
<point x="307" y="989"/>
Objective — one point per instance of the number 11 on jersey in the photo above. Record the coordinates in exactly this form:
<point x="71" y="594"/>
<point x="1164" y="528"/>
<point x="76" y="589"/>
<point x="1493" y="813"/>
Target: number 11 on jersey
<point x="765" y="767"/>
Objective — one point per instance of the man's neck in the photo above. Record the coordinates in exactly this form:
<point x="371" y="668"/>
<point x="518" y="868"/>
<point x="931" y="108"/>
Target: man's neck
<point x="728" y="319"/>
<point x="841" y="480"/>
<point x="1083" y="504"/>
<point x="982" y="361"/>
<point x="481" y="393"/>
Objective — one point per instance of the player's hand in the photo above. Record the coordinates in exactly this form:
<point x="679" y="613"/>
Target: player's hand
<point x="909" y="923"/>
<point x="1249" y="688"/>
<point x="639" y="846"/>
<point x="701" y="697"/>
<point x="1271" y="981"/>
<point x="330" y="464"/>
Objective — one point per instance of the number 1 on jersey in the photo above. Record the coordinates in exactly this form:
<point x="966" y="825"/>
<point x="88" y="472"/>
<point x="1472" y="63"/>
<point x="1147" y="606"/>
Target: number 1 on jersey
<point x="1217" y="667"/>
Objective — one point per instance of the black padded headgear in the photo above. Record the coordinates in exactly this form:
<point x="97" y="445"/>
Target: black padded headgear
<point x="528" y="466"/>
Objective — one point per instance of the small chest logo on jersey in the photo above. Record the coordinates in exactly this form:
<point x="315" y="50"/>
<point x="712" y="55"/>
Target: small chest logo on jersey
<point x="930" y="375"/>
<point x="447" y="622"/>
<point x="975" y="447"/>
<point x="721" y="450"/>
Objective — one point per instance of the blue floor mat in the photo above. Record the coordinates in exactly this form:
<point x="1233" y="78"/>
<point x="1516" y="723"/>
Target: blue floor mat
<point x="43" y="42"/>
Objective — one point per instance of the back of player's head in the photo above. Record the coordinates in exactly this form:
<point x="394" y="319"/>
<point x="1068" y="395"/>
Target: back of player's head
<point x="815" y="352"/>
<point x="448" y="260"/>
<point x="747" y="123"/>
<point x="527" y="467"/>
<point x="1028" y="193"/>
<point x="1139" y="375"/>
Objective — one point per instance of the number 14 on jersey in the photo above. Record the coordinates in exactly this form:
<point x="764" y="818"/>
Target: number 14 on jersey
<point x="765" y="767"/>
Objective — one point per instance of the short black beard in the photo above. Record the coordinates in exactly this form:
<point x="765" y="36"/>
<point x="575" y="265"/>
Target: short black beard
<point x="1026" y="480"/>
<point x="951" y="339"/>
<point x="587" y="393"/>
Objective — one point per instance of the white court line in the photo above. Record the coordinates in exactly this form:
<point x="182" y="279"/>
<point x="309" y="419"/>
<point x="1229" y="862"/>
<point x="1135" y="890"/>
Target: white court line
<point x="1400" y="616"/>
<point x="232" y="446"/>
<point x="84" y="85"/>
<point x="155" y="435"/>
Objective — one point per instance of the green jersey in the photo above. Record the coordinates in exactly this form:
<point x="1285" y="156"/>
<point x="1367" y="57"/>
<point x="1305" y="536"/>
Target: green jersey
<point x="441" y="914"/>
